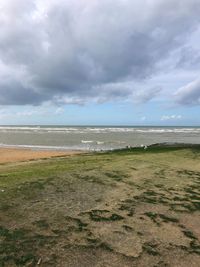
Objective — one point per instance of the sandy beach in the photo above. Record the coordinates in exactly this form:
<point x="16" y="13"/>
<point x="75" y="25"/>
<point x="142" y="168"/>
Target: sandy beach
<point x="18" y="154"/>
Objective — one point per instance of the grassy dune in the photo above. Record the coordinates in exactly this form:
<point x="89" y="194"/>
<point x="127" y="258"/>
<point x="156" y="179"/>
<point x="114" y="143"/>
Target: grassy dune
<point x="125" y="208"/>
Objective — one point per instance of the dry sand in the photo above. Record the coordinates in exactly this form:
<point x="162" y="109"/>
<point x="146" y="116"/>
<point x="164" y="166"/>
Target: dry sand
<point x="19" y="154"/>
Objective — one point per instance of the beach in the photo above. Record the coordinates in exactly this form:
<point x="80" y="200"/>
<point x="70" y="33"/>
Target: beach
<point x="124" y="208"/>
<point x="8" y="155"/>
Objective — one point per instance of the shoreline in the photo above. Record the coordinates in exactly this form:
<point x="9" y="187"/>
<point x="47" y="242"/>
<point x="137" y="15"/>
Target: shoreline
<point x="12" y="154"/>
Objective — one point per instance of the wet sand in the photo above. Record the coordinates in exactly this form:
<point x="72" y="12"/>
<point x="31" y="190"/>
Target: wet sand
<point x="17" y="154"/>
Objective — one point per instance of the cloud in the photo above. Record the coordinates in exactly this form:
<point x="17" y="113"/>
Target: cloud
<point x="30" y="113"/>
<point x="79" y="51"/>
<point x="189" y="58"/>
<point x="189" y="94"/>
<point x="171" y="117"/>
<point x="145" y="95"/>
<point x="59" y="111"/>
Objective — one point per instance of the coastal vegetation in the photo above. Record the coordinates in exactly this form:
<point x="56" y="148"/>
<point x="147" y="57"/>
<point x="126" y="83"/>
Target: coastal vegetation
<point x="131" y="207"/>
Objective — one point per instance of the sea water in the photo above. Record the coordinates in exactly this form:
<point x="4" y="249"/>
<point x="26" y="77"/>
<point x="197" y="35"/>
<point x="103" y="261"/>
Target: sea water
<point x="93" y="137"/>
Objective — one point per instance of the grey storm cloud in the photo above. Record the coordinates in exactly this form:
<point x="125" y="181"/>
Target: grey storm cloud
<point x="76" y="51"/>
<point x="189" y="58"/>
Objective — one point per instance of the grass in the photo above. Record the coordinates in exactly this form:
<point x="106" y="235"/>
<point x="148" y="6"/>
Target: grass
<point x="104" y="215"/>
<point x="102" y="206"/>
<point x="41" y="224"/>
<point x="14" y="247"/>
<point x="150" y="248"/>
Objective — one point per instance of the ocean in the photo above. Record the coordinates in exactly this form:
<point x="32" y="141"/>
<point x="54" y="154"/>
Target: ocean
<point x="93" y="138"/>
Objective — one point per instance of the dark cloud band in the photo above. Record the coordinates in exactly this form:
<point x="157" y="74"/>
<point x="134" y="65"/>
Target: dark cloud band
<point x="84" y="50"/>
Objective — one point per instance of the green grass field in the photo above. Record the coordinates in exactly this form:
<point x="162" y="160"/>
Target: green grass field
<point x="124" y="208"/>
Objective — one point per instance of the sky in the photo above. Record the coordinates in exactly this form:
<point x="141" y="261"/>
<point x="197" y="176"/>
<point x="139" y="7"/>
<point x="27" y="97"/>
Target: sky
<point x="108" y="62"/>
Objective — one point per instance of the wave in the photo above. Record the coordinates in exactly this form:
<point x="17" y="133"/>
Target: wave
<point x="86" y="141"/>
<point x="43" y="147"/>
<point x="96" y="130"/>
<point x="100" y="142"/>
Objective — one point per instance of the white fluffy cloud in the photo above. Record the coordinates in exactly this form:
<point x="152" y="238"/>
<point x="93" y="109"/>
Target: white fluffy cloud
<point x="189" y="94"/>
<point x="171" y="117"/>
<point x="77" y="51"/>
